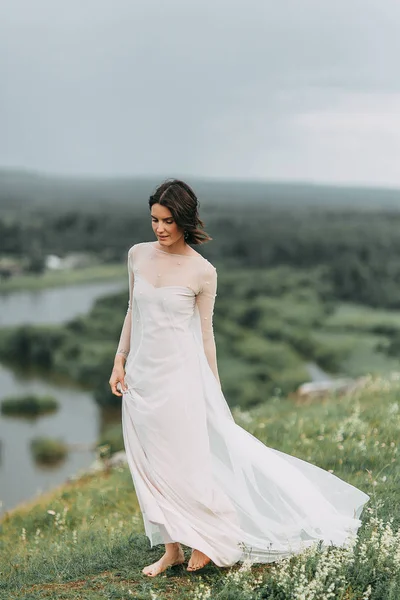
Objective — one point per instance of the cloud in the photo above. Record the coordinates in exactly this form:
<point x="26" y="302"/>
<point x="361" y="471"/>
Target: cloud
<point x="263" y="89"/>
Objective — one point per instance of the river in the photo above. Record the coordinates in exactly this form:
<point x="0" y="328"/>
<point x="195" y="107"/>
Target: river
<point x="78" y="419"/>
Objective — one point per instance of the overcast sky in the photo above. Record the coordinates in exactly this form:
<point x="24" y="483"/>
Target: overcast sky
<point x="265" y="89"/>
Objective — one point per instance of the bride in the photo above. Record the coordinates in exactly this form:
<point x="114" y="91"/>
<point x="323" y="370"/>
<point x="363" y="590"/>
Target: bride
<point x="201" y="479"/>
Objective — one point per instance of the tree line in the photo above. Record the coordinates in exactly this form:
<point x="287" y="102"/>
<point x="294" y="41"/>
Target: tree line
<point x="358" y="249"/>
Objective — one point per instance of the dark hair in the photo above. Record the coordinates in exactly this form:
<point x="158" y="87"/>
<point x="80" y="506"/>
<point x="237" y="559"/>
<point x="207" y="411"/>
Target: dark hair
<point x="181" y="200"/>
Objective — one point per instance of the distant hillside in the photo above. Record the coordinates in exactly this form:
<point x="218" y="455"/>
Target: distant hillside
<point x="26" y="189"/>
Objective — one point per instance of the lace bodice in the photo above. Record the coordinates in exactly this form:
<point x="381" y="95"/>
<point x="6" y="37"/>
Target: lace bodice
<point x="160" y="268"/>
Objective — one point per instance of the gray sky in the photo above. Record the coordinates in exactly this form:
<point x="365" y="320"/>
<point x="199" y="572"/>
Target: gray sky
<point x="265" y="89"/>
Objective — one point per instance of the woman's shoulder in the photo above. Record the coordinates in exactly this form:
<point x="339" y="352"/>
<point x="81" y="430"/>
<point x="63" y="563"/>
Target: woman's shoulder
<point x="138" y="245"/>
<point x="137" y="248"/>
<point x="207" y="272"/>
<point x="204" y="264"/>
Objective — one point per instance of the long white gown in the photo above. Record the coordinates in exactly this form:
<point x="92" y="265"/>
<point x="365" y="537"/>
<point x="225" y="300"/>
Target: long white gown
<point x="200" y="478"/>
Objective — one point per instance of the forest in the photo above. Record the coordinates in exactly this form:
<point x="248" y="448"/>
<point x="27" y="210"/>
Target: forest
<point x="267" y="226"/>
<point x="301" y="278"/>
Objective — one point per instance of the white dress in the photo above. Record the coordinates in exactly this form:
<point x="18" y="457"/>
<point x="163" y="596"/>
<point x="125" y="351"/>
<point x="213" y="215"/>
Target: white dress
<point x="200" y="478"/>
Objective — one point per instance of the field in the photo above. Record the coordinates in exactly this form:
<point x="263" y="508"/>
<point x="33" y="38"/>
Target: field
<point x="51" y="279"/>
<point x="86" y="540"/>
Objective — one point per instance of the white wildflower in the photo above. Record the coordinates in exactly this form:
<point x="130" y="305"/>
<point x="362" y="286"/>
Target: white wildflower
<point x="60" y="519"/>
<point x="367" y="593"/>
<point x="246" y="565"/>
<point x="37" y="537"/>
<point x="352" y="426"/>
<point x="201" y="592"/>
<point x="242" y="416"/>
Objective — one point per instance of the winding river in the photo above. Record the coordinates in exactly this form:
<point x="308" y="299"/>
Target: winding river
<point x="78" y="419"/>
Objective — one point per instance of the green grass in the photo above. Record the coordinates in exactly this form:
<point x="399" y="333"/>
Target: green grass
<point x="62" y="278"/>
<point x="358" y="351"/>
<point x="355" y="317"/>
<point x="86" y="540"/>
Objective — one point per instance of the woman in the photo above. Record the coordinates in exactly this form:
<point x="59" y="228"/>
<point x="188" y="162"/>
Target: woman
<point x="202" y="480"/>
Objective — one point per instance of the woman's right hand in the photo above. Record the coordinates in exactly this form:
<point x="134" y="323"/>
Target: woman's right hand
<point x="117" y="376"/>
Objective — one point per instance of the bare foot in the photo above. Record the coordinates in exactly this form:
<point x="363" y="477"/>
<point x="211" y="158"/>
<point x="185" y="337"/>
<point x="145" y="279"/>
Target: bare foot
<point x="197" y="561"/>
<point x="169" y="559"/>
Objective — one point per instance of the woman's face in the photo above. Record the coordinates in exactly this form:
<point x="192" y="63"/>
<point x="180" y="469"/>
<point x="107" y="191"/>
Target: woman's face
<point x="164" y="225"/>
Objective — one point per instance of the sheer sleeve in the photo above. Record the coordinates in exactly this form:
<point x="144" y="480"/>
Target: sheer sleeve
<point x="205" y="300"/>
<point x="125" y="337"/>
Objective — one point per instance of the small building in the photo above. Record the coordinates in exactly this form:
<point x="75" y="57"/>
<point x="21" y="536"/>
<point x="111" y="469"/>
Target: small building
<point x="73" y="260"/>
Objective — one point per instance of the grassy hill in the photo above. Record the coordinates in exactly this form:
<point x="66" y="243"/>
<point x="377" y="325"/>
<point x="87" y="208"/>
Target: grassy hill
<point x="85" y="539"/>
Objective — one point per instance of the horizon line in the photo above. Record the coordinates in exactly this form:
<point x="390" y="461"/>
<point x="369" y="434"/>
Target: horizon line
<point x="201" y="178"/>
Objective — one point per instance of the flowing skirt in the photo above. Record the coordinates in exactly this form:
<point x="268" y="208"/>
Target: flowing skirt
<point x="206" y="482"/>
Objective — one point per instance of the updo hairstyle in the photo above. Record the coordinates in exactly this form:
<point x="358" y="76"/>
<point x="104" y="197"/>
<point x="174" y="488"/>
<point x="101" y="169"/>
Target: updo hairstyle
<point x="180" y="199"/>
